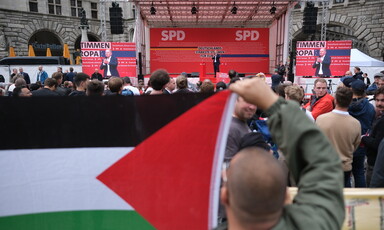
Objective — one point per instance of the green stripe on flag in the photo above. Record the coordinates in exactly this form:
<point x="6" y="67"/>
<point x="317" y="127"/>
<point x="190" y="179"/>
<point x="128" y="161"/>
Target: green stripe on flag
<point x="77" y="220"/>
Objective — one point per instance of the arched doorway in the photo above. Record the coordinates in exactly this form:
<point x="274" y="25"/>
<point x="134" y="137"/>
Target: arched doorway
<point x="44" y="39"/>
<point x="91" y="38"/>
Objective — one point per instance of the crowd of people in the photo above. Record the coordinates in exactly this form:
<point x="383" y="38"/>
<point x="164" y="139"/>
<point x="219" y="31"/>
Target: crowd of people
<point x="81" y="84"/>
<point x="275" y="140"/>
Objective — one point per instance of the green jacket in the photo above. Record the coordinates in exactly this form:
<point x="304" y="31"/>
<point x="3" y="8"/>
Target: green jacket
<point x="315" y="166"/>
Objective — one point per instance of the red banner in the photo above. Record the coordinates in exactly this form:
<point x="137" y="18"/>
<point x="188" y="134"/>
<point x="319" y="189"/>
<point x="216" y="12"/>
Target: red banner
<point x="322" y="58"/>
<point x="184" y="49"/>
<point x="110" y="58"/>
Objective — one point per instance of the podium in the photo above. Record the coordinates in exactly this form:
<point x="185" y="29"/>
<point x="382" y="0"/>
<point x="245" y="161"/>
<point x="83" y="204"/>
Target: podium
<point x="203" y="70"/>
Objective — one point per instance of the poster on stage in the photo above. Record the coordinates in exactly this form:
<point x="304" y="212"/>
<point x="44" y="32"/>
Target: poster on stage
<point x="110" y="58"/>
<point x="322" y="58"/>
<point x="245" y="50"/>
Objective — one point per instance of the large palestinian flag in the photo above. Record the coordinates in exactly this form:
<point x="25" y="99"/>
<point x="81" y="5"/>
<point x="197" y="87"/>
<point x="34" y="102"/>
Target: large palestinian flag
<point x="147" y="162"/>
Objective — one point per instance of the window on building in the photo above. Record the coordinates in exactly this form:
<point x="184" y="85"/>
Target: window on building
<point x="54" y="7"/>
<point x="33" y="6"/>
<point x="339" y="1"/>
<point x="94" y="10"/>
<point x="76" y="6"/>
<point x="133" y="11"/>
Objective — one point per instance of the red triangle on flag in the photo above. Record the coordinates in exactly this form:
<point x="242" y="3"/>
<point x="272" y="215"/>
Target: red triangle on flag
<point x="168" y="178"/>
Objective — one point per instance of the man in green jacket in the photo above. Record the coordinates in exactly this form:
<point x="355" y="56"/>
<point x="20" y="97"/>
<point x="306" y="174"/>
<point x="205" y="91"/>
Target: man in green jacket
<point x="255" y="189"/>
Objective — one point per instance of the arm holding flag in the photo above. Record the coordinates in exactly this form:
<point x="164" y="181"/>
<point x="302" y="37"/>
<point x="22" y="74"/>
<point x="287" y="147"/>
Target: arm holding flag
<point x="311" y="159"/>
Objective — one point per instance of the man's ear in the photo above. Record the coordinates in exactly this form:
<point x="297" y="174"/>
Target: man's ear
<point x="224" y="196"/>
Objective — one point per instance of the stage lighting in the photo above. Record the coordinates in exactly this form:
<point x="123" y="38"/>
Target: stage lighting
<point x="153" y="10"/>
<point x="234" y="9"/>
<point x="194" y="9"/>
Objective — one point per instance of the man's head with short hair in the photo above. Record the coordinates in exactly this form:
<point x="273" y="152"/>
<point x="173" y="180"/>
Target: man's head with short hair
<point x="322" y="52"/>
<point x="181" y="82"/>
<point x="21" y="91"/>
<point x="20" y="82"/>
<point x="50" y="83"/>
<point x="59" y="69"/>
<point x="108" y="53"/>
<point x="71" y="69"/>
<point x="58" y="76"/>
<point x="254" y="190"/>
<point x="220" y="86"/>
<point x="244" y="110"/>
<point x="358" y="88"/>
<point x="115" y="84"/>
<point x="380" y="83"/>
<point x="232" y="73"/>
<point x="377" y="77"/>
<point x="356" y="69"/>
<point x="295" y="93"/>
<point x="159" y="79"/>
<point x="343" y="97"/>
<point x="14" y="70"/>
<point x="80" y="79"/>
<point x="95" y="88"/>
<point x="127" y="81"/>
<point x="379" y="99"/>
<point x="40" y="68"/>
<point x="207" y="86"/>
<point x="320" y="87"/>
<point x="348" y="73"/>
<point x="171" y="85"/>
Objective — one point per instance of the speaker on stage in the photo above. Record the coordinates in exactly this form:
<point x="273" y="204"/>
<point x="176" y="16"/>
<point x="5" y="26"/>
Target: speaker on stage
<point x="116" y="20"/>
<point x="310" y="19"/>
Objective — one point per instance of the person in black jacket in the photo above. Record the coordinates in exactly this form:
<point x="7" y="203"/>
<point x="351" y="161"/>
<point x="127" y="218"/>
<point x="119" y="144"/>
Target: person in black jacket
<point x="372" y="140"/>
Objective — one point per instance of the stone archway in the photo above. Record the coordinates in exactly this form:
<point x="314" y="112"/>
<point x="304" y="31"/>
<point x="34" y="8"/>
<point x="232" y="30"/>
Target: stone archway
<point x="344" y="27"/>
<point x="43" y="39"/>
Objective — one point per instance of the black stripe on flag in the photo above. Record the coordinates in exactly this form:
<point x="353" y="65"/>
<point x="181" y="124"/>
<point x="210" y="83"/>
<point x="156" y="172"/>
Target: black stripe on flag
<point x="110" y="121"/>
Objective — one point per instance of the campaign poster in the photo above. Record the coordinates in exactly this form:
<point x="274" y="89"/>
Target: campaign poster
<point x="185" y="49"/>
<point x="322" y="58"/>
<point x="111" y="59"/>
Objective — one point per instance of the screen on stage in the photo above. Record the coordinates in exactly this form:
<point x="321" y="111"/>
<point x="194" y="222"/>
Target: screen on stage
<point x="322" y="58"/>
<point x="185" y="49"/>
<point x="110" y="58"/>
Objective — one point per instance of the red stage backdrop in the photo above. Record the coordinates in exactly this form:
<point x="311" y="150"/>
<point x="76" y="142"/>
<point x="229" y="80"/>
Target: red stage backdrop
<point x="308" y="51"/>
<point x="184" y="49"/>
<point x="93" y="53"/>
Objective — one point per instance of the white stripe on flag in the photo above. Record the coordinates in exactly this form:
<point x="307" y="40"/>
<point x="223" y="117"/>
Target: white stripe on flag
<point x="50" y="180"/>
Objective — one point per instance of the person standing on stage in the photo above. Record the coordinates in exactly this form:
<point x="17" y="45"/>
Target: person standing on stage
<point x="109" y="65"/>
<point x="216" y="62"/>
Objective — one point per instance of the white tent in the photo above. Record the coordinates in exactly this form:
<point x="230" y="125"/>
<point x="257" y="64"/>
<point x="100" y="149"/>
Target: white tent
<point x="360" y="59"/>
<point x="366" y="63"/>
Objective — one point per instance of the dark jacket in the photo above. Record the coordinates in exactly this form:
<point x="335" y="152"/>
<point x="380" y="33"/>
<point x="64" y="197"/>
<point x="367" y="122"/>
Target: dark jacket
<point x="112" y="67"/>
<point x="358" y="75"/>
<point x="373" y="140"/>
<point x="44" y="92"/>
<point x="364" y="112"/>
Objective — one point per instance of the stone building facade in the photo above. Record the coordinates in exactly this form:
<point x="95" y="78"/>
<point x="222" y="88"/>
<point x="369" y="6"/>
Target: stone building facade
<point x="361" y="21"/>
<point x="55" y="23"/>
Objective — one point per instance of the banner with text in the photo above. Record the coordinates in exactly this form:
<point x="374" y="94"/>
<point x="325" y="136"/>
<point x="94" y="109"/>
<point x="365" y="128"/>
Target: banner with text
<point x="322" y="58"/>
<point x="184" y="49"/>
<point x="110" y="58"/>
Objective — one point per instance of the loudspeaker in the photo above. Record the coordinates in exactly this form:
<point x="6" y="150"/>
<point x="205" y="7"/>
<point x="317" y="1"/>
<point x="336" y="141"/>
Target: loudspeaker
<point x="116" y="20"/>
<point x="290" y="75"/>
<point x="310" y="19"/>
